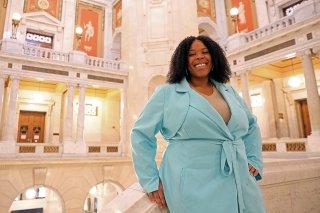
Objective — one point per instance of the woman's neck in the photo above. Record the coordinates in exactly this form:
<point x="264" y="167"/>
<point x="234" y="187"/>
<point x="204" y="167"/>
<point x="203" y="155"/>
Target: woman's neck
<point x="200" y="83"/>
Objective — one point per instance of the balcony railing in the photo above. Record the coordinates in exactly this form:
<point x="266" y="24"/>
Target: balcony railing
<point x="14" y="46"/>
<point x="56" y="150"/>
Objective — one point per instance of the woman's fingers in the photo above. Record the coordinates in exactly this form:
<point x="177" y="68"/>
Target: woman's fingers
<point x="158" y="197"/>
<point x="253" y="171"/>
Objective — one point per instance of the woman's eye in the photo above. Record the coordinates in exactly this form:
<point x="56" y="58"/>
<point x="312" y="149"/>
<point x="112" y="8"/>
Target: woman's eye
<point x="192" y="54"/>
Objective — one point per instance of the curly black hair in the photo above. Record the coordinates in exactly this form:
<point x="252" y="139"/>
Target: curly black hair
<point x="179" y="61"/>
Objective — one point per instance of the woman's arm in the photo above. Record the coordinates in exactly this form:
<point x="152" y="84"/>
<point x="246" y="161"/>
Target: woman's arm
<point x="252" y="141"/>
<point x="144" y="143"/>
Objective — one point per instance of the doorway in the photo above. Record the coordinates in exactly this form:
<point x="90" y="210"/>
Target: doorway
<point x="305" y="118"/>
<point x="31" y="127"/>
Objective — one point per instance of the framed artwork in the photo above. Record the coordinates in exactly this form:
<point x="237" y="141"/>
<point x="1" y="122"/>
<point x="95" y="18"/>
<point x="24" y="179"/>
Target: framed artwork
<point x="206" y="8"/>
<point x="91" y="19"/>
<point x="53" y="7"/>
<point x="246" y="17"/>
<point x="116" y="15"/>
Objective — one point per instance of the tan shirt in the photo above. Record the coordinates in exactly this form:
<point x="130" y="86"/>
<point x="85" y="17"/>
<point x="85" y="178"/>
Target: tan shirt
<point x="219" y="104"/>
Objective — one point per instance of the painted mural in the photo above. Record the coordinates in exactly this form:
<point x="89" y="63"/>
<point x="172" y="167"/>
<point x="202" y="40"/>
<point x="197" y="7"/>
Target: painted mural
<point x="53" y="7"/>
<point x="246" y="16"/>
<point x="90" y="18"/>
<point x="206" y="8"/>
<point x="117" y="15"/>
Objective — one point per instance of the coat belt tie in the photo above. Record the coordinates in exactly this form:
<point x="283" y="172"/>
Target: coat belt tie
<point x="229" y="164"/>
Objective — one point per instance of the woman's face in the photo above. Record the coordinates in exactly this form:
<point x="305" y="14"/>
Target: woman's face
<point x="199" y="60"/>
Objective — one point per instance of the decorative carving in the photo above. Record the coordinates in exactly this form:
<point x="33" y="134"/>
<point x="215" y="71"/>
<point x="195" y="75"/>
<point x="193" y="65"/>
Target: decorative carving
<point x="51" y="149"/>
<point x="269" y="147"/>
<point x="156" y="1"/>
<point x="112" y="148"/>
<point x="39" y="176"/>
<point x="94" y="149"/>
<point x="296" y="147"/>
<point x="27" y="149"/>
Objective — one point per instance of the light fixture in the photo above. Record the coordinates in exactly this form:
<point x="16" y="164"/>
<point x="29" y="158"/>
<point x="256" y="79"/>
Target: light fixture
<point x="234" y="13"/>
<point x="78" y="33"/>
<point x="38" y="97"/>
<point x="16" y="17"/>
<point x="294" y="81"/>
<point x="30" y="194"/>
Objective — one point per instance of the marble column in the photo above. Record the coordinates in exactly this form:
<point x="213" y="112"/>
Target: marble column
<point x="2" y="90"/>
<point x="245" y="89"/>
<point x="67" y="134"/>
<point x="313" y="101"/>
<point x="10" y="126"/>
<point x="123" y="116"/>
<point x="80" y="119"/>
<point x="234" y="81"/>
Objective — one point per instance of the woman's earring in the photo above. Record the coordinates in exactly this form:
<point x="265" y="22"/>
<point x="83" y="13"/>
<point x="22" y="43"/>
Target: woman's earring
<point x="187" y="72"/>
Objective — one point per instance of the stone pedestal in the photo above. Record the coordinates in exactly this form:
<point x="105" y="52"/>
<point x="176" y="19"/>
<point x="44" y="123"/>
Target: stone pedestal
<point x="78" y="57"/>
<point x="235" y="41"/>
<point x="313" y="143"/>
<point x="7" y="148"/>
<point x="12" y="46"/>
<point x="305" y="10"/>
<point x="74" y="148"/>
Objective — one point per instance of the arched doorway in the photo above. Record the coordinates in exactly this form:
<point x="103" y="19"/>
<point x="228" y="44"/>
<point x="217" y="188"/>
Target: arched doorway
<point x="154" y="83"/>
<point x="100" y="195"/>
<point x="37" y="199"/>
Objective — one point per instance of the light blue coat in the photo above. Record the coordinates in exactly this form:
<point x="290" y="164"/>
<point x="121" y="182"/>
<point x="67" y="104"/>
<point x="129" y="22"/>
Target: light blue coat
<point x="205" y="166"/>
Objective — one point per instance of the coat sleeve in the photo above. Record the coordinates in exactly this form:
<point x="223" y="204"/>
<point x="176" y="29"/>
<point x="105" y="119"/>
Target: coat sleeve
<point x="252" y="140"/>
<point x="144" y="143"/>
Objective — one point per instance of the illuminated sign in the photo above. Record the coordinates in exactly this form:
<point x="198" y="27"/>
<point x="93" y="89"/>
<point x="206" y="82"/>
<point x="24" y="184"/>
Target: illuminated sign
<point x="39" y="40"/>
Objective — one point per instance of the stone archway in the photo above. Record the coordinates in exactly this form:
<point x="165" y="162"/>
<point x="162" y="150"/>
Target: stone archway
<point x="207" y="27"/>
<point x="154" y="82"/>
<point x="100" y="195"/>
<point x="38" y="199"/>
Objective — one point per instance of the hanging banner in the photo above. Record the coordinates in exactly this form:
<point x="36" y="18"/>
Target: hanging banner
<point x="53" y="7"/>
<point x="116" y="15"/>
<point x="246" y="15"/>
<point x="206" y="8"/>
<point x="90" y="18"/>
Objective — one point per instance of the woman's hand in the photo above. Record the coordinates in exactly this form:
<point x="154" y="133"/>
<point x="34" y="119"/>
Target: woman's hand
<point x="253" y="171"/>
<point x="158" y="197"/>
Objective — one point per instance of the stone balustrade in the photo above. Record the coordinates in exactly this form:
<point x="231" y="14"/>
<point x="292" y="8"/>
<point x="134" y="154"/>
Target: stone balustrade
<point x="284" y="145"/>
<point x="14" y="46"/>
<point x="289" y="185"/>
<point x="306" y="10"/>
<point x="271" y="28"/>
<point x="56" y="150"/>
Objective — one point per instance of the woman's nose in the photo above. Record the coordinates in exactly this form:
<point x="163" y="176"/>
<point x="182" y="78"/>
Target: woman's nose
<point x="199" y="56"/>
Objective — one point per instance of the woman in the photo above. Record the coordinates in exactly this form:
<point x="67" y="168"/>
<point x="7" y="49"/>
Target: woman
<point x="213" y="157"/>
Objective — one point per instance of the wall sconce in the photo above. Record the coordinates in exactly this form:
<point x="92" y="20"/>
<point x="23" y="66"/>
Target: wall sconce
<point x="78" y="32"/>
<point x="234" y="13"/>
<point x="16" y="17"/>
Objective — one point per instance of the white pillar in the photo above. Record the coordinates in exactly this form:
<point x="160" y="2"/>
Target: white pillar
<point x="123" y="116"/>
<point x="69" y="24"/>
<point x="2" y="81"/>
<point x="67" y="133"/>
<point x="234" y="81"/>
<point x="313" y="101"/>
<point x="245" y="88"/>
<point x="80" y="120"/>
<point x="10" y="127"/>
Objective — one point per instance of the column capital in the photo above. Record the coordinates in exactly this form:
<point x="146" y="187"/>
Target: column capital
<point x="15" y="77"/>
<point x="82" y="85"/>
<point x="71" y="84"/>
<point x="316" y="50"/>
<point x="304" y="52"/>
<point x="3" y="76"/>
